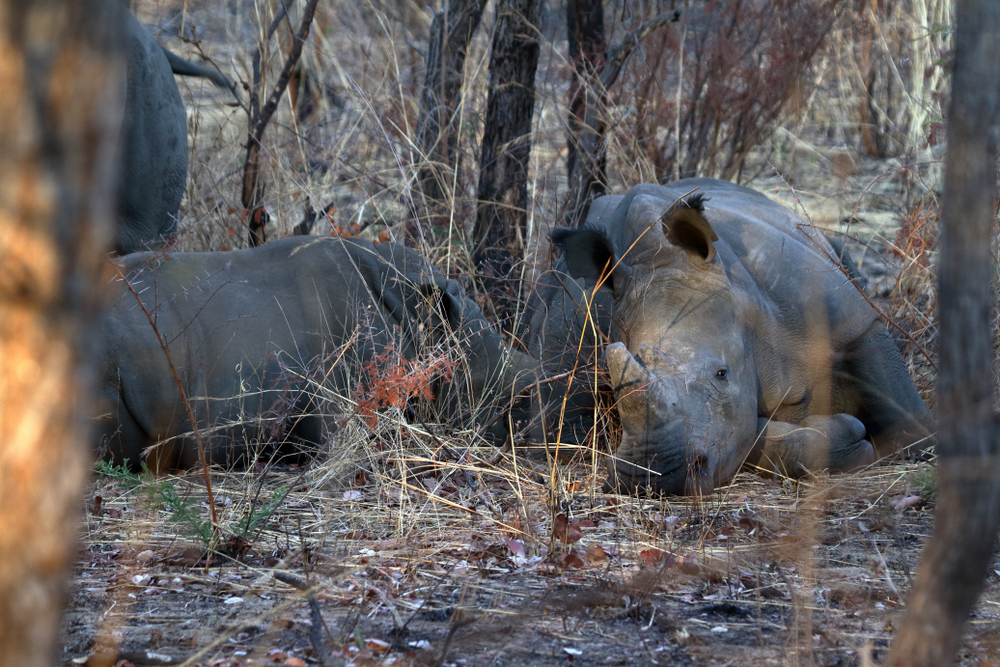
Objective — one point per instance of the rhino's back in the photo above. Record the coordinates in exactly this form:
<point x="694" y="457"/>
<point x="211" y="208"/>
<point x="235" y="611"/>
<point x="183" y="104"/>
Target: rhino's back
<point x="284" y="293"/>
<point x="153" y="146"/>
<point x="792" y="266"/>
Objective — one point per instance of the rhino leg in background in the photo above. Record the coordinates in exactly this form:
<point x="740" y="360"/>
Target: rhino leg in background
<point x="122" y="439"/>
<point x="881" y="393"/>
<point x="835" y="442"/>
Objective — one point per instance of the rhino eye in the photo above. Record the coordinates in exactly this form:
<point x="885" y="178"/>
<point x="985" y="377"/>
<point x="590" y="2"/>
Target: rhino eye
<point x="722" y="373"/>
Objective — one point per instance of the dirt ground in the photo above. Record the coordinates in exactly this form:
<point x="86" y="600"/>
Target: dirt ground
<point x="401" y="554"/>
<point x="457" y="569"/>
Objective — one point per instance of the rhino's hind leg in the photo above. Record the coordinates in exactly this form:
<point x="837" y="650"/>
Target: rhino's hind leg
<point x="122" y="439"/>
<point x="834" y="442"/>
<point x="879" y="391"/>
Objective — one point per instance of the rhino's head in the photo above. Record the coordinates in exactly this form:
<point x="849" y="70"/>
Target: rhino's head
<point x="684" y="379"/>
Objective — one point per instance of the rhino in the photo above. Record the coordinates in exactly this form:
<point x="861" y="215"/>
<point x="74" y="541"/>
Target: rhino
<point x="152" y="144"/>
<point x="259" y="336"/>
<point x="734" y="337"/>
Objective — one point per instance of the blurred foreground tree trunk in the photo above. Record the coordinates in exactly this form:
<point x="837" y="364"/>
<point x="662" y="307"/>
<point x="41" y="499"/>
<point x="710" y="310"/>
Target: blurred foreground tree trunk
<point x="61" y="104"/>
<point x="500" y="233"/>
<point x="586" y="172"/>
<point x="955" y="561"/>
<point x="437" y="127"/>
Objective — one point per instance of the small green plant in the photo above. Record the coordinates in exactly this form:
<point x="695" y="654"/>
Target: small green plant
<point x="122" y="474"/>
<point x="183" y="511"/>
<point x="924" y="481"/>
<point x="249" y="524"/>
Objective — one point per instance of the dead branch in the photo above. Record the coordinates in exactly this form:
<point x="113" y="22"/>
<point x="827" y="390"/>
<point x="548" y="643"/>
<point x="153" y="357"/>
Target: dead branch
<point x="253" y="188"/>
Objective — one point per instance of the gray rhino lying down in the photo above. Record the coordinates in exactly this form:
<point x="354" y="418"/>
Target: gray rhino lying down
<point x="738" y="339"/>
<point x="256" y="334"/>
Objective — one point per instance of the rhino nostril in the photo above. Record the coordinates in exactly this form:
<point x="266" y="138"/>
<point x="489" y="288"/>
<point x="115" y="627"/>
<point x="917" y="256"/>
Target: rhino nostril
<point x="699" y="466"/>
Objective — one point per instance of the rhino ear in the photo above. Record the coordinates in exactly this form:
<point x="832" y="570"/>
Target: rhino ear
<point x="688" y="229"/>
<point x="588" y="253"/>
<point x="448" y="295"/>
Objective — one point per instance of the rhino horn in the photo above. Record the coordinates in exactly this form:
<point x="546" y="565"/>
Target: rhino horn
<point x="631" y="381"/>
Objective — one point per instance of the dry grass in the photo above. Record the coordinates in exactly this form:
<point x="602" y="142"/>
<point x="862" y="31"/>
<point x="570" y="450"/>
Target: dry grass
<point x="444" y="549"/>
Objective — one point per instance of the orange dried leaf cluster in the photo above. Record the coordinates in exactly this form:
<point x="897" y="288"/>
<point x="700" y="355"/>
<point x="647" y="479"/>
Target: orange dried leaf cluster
<point x="390" y="380"/>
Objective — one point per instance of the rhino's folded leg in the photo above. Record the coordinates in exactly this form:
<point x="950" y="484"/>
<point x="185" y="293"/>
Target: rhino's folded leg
<point x="120" y="438"/>
<point x="834" y="442"/>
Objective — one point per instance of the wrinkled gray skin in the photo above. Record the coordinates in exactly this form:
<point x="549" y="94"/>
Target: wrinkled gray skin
<point x="738" y="339"/>
<point x="558" y="322"/>
<point x="152" y="146"/>
<point x="247" y="328"/>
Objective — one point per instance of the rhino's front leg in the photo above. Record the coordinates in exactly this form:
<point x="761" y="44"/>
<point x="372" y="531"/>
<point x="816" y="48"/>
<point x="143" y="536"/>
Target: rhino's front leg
<point x="834" y="442"/>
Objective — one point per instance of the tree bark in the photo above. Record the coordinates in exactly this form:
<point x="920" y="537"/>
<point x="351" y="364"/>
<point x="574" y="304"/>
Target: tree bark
<point x="255" y="215"/>
<point x="955" y="560"/>
<point x="586" y="173"/>
<point x="437" y="136"/>
<point x="62" y="76"/>
<point x="501" y="217"/>
<point x="586" y="167"/>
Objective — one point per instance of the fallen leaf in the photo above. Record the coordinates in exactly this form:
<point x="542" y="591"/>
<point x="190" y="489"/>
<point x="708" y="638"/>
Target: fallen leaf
<point x="651" y="556"/>
<point x="571" y="560"/>
<point x="146" y="557"/>
<point x="356" y="535"/>
<point x="517" y="548"/>
<point x="96" y="511"/>
<point x="688" y="566"/>
<point x="566" y="532"/>
<point x="377" y="645"/>
<point x="295" y="662"/>
<point x="352" y="495"/>
<point x="596" y="554"/>
<point x="908" y="501"/>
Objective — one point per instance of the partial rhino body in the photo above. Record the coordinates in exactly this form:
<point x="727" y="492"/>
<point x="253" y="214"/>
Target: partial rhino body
<point x="260" y="336"/>
<point x="152" y="146"/>
<point x="737" y="338"/>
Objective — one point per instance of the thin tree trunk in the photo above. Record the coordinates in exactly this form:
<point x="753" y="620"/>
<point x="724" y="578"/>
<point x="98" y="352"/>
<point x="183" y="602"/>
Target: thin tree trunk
<point x="588" y="99"/>
<point x="955" y="560"/>
<point x="587" y="175"/>
<point x="437" y="136"/>
<point x="61" y="77"/>
<point x="255" y="215"/>
<point x="502" y="213"/>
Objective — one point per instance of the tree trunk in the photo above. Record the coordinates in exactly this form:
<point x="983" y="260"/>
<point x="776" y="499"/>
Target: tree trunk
<point x="586" y="170"/>
<point x="501" y="218"/>
<point x="957" y="555"/>
<point x="588" y="157"/>
<point x="437" y="136"/>
<point x="62" y="77"/>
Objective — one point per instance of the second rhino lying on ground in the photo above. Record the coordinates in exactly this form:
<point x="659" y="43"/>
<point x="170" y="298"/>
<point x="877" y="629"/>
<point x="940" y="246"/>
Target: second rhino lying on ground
<point x="152" y="144"/>
<point x="263" y="338"/>
<point x="737" y="339"/>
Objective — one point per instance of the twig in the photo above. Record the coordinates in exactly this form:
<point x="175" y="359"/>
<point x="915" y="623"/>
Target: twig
<point x="180" y="387"/>
<point x="253" y="190"/>
<point x="316" y="618"/>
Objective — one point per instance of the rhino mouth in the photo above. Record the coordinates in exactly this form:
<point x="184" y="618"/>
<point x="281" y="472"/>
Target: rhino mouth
<point x="684" y="474"/>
